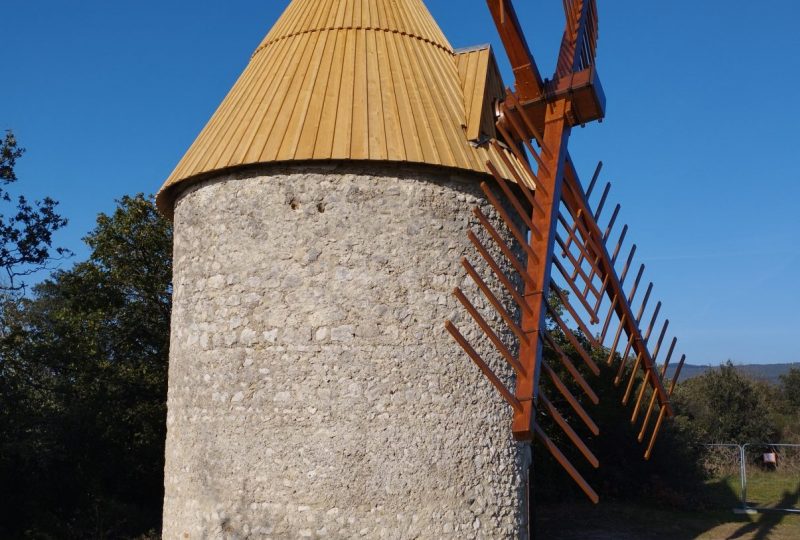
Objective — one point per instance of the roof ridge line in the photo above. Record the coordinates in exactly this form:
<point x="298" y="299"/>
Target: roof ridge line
<point x="336" y="28"/>
<point x="472" y="48"/>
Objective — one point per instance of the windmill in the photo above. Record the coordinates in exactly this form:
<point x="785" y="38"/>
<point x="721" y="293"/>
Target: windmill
<point x="567" y="259"/>
<point x="318" y="216"/>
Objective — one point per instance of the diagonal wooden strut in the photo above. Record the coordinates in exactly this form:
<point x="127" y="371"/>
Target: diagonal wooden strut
<point x="529" y="81"/>
<point x="571" y="470"/>
<point x="487" y="371"/>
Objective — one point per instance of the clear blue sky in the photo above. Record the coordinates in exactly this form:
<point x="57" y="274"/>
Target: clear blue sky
<point x="700" y="139"/>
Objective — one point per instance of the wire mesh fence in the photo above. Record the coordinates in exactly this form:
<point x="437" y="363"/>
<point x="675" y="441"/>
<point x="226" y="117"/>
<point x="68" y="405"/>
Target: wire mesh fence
<point x="783" y="458"/>
<point x="768" y="474"/>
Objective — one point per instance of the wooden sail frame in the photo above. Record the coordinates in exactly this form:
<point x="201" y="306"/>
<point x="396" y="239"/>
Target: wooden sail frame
<point x="564" y="238"/>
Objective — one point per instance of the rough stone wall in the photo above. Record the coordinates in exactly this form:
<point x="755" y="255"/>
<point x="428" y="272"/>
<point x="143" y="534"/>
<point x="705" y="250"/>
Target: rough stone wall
<point x="313" y="391"/>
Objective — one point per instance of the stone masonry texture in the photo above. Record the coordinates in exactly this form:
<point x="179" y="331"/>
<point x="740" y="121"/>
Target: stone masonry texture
<point x="313" y="390"/>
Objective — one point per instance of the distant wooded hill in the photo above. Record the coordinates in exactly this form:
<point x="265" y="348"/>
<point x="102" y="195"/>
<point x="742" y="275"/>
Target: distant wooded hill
<point x="761" y="372"/>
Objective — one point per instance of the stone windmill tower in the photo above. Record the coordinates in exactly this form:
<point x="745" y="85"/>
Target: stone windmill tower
<point x="318" y="216"/>
<point x="313" y="390"/>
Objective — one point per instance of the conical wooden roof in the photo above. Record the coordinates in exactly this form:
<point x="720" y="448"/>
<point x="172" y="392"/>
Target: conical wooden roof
<point x="343" y="80"/>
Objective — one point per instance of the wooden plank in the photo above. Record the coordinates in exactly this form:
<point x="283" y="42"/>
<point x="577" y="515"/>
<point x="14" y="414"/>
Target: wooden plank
<point x="323" y="143"/>
<point x="571" y="399"/>
<point x="468" y="84"/>
<point x="567" y="429"/>
<point x="663" y="411"/>
<point x="308" y="103"/>
<point x="501" y="243"/>
<point x="360" y="104"/>
<point x="519" y="235"/>
<point x="289" y="97"/>
<point x="651" y="406"/>
<point x="644" y="382"/>
<point x="488" y="373"/>
<point x="375" y="93"/>
<point x="638" y="361"/>
<point x="529" y="82"/>
<point x="574" y="314"/>
<point x="587" y="359"/>
<point x="498" y="272"/>
<point x="344" y="115"/>
<point x="495" y="91"/>
<point x="506" y="252"/>
<point x="475" y="92"/>
<point x="430" y="151"/>
<point x="570" y="366"/>
<point x="496" y="303"/>
<point x="244" y="124"/>
<point x="338" y="20"/>
<point x="313" y="120"/>
<point x="391" y="115"/>
<point x="487" y="329"/>
<point x="565" y="463"/>
<point x="412" y="148"/>
<point x="441" y="85"/>
<point x="201" y="154"/>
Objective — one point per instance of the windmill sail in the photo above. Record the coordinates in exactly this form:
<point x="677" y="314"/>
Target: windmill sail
<point x="569" y="277"/>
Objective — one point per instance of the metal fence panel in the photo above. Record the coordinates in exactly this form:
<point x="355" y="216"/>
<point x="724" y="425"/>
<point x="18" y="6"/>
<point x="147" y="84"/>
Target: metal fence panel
<point x="754" y="462"/>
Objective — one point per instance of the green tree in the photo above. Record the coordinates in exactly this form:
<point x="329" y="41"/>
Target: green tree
<point x="83" y="387"/>
<point x="787" y="405"/>
<point x="672" y="475"/>
<point x="26" y="229"/>
<point x="725" y="406"/>
<point x="790" y="388"/>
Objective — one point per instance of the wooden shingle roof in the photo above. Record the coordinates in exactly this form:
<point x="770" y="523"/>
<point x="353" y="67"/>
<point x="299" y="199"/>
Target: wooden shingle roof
<point x="347" y="80"/>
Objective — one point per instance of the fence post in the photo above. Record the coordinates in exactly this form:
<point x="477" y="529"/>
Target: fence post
<point x="743" y="473"/>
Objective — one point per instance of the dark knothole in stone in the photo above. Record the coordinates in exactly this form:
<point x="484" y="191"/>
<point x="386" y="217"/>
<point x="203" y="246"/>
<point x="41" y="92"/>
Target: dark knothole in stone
<point x="321" y="207"/>
<point x="294" y="204"/>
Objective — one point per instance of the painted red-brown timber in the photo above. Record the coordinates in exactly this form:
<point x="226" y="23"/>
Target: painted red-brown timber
<point x="557" y="221"/>
<point x="529" y="82"/>
<point x="556" y="134"/>
<point x="614" y="289"/>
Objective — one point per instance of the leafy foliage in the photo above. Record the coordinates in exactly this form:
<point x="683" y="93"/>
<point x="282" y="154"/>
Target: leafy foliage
<point x="670" y="476"/>
<point x="724" y="406"/>
<point x="790" y="387"/>
<point x="787" y="405"/>
<point x="26" y="233"/>
<point x="83" y="387"/>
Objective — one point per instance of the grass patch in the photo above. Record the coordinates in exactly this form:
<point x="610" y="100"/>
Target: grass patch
<point x="715" y="520"/>
<point x="772" y="489"/>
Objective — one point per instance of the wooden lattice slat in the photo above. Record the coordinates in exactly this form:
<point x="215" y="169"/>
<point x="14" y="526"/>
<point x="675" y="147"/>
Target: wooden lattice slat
<point x="567" y="260"/>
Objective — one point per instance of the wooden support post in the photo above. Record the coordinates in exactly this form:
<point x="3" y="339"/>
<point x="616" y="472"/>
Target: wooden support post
<point x="551" y="177"/>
